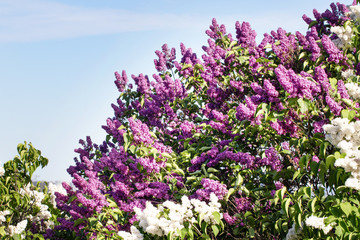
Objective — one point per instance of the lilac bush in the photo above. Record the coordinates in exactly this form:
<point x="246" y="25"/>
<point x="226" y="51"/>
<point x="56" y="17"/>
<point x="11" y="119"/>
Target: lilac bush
<point x="245" y="123"/>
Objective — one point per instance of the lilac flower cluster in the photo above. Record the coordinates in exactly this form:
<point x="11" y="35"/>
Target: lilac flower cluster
<point x="284" y="46"/>
<point x="244" y="204"/>
<point x="121" y="80"/>
<point x="336" y="16"/>
<point x="296" y="85"/>
<point x="166" y="59"/>
<point x="224" y="114"/>
<point x="210" y="186"/>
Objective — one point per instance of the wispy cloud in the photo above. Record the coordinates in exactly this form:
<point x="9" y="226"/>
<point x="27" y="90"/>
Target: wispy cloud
<point x="34" y="20"/>
<point x="37" y="20"/>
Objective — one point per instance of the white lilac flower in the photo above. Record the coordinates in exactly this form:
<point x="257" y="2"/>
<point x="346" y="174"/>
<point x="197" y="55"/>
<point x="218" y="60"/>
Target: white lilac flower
<point x="293" y="234"/>
<point x="318" y="223"/>
<point x="134" y="235"/>
<point x="207" y="210"/>
<point x="346" y="136"/>
<point x="353" y="90"/>
<point x="3" y="214"/>
<point x="53" y="188"/>
<point x="344" y="36"/>
<point x="2" y="171"/>
<point x="18" y="229"/>
<point x="348" y="73"/>
<point x="35" y="196"/>
<point x="353" y="183"/>
<point x="153" y="220"/>
<point x="355" y="12"/>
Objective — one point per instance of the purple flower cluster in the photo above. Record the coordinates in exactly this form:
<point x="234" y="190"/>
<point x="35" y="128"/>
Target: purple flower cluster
<point x="245" y="35"/>
<point x="205" y="113"/>
<point x="334" y="106"/>
<point x="284" y="46"/>
<point x="335" y="55"/>
<point x="336" y="16"/>
<point x="210" y="186"/>
<point x="166" y="59"/>
<point x="296" y="85"/>
<point x="121" y="81"/>
<point x="244" y="204"/>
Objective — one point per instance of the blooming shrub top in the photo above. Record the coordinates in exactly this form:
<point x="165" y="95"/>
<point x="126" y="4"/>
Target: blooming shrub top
<point x="245" y="123"/>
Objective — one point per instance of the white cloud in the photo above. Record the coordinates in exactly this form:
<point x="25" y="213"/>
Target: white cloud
<point x="34" y="20"/>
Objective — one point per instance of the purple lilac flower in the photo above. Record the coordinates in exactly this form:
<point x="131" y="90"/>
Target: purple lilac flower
<point x="302" y="40"/>
<point x="315" y="159"/>
<point x="318" y="126"/>
<point x="121" y="81"/>
<point x="140" y="131"/>
<point x="243" y="112"/>
<point x="285" y="145"/>
<point x="321" y="77"/>
<point x="244" y="204"/>
<point x="231" y="220"/>
<point x="335" y="55"/>
<point x="278" y="185"/>
<point x="166" y="58"/>
<point x="142" y="83"/>
<point x="314" y="48"/>
<point x="334" y="106"/>
<point x="342" y="89"/>
<point x="277" y="127"/>
<point x="211" y="186"/>
<point x="245" y="35"/>
<point x="272" y="159"/>
<point x="283" y="78"/>
<point x="216" y="31"/>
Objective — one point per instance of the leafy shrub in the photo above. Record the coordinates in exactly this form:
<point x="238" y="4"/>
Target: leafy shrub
<point x="269" y="130"/>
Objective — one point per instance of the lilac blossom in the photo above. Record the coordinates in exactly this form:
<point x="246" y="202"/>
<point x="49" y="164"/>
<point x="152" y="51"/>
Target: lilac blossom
<point x="245" y="35"/>
<point x="244" y="204"/>
<point x="211" y="186"/>
<point x="335" y="55"/>
<point x="334" y="106"/>
<point x="342" y="89"/>
<point x="121" y="81"/>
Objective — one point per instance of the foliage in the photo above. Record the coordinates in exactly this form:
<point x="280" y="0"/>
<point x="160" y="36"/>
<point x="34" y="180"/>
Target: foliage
<point x="244" y="122"/>
<point x="250" y="141"/>
<point x="25" y="211"/>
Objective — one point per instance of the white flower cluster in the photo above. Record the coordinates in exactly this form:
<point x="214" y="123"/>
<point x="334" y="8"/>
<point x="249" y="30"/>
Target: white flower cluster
<point x="344" y="36"/>
<point x="293" y="234"/>
<point x="170" y="217"/>
<point x="206" y="210"/>
<point x="318" y="222"/>
<point x="2" y="171"/>
<point x="354" y="12"/>
<point x="18" y="229"/>
<point x="134" y="235"/>
<point x="36" y="198"/>
<point x="348" y="73"/>
<point x="346" y="136"/>
<point x="2" y="216"/>
<point x="353" y="90"/>
<point x="53" y="188"/>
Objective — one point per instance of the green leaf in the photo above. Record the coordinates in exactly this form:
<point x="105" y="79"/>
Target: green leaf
<point x="303" y="104"/>
<point x="215" y="230"/>
<point x="346" y="208"/>
<point x="313" y="202"/>
<point x="239" y="180"/>
<point x="216" y="217"/>
<point x="252" y="232"/>
<point x="286" y="205"/>
<point x="183" y="233"/>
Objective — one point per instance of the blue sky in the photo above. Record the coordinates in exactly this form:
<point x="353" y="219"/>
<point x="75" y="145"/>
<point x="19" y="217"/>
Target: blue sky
<point x="58" y="59"/>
